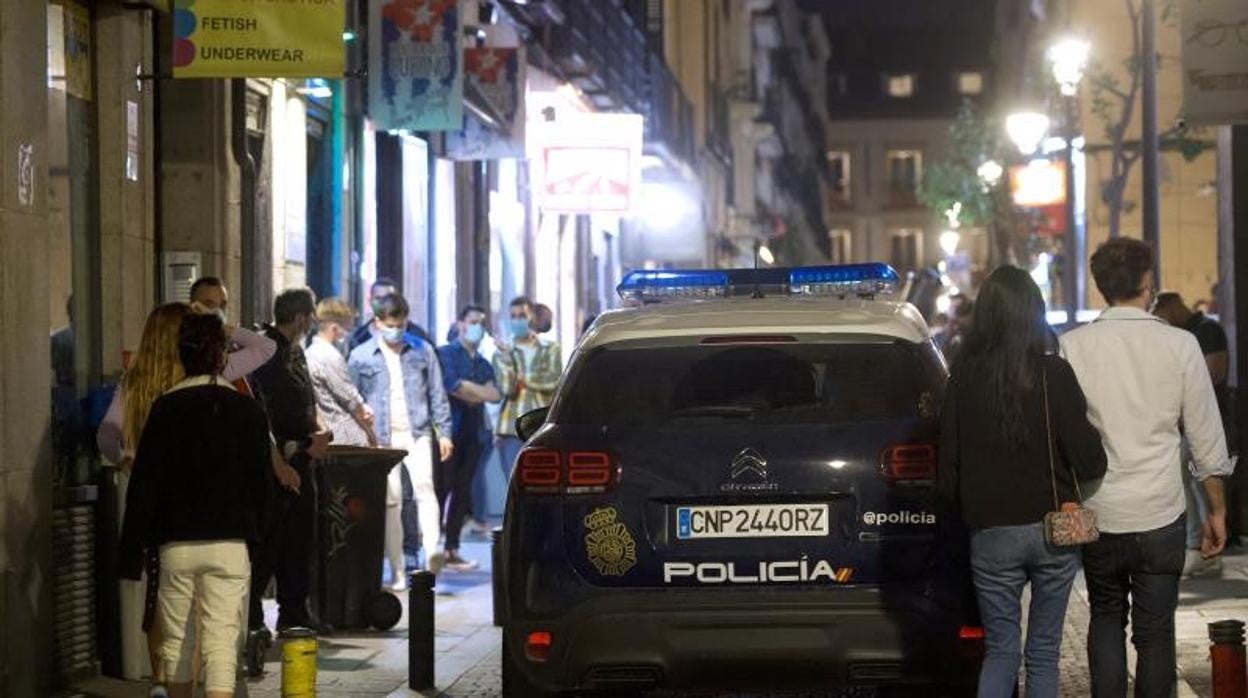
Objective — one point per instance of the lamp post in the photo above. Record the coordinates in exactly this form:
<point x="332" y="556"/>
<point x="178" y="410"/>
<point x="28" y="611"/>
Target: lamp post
<point x="1068" y="57"/>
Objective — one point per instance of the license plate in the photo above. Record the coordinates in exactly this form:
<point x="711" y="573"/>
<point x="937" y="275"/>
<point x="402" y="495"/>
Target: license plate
<point x="752" y="521"/>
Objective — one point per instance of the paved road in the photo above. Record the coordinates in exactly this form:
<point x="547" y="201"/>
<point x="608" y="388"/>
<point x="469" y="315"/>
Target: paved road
<point x="468" y="657"/>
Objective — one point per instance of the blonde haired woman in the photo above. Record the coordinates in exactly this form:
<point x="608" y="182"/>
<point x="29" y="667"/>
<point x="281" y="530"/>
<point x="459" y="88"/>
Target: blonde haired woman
<point x="155" y="369"/>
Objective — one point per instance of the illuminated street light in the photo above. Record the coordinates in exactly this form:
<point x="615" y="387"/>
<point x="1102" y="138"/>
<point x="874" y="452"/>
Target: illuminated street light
<point x="1026" y="129"/>
<point x="949" y="241"/>
<point x="990" y="172"/>
<point x="666" y="206"/>
<point x="764" y="253"/>
<point x="1068" y="58"/>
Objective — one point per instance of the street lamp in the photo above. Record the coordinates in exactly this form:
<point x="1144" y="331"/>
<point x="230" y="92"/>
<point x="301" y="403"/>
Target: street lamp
<point x="990" y="173"/>
<point x="949" y="241"/>
<point x="1026" y="129"/>
<point x="1068" y="57"/>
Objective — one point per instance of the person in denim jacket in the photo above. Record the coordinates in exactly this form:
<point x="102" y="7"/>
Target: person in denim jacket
<point x="401" y="381"/>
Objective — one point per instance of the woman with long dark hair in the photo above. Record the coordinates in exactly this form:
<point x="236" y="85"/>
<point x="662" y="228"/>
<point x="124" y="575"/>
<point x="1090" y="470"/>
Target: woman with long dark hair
<point x="1010" y="400"/>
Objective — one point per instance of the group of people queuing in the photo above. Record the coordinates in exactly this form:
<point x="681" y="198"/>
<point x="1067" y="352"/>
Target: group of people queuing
<point x="216" y="431"/>
<point x="1105" y="448"/>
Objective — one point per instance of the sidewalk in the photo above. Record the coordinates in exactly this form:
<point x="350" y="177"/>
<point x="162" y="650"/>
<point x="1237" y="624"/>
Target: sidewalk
<point x="467" y="644"/>
<point x="1201" y="601"/>
<point x="375" y="664"/>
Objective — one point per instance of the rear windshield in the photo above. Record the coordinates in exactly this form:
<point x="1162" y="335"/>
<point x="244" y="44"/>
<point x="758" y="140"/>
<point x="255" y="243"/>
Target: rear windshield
<point x="782" y="383"/>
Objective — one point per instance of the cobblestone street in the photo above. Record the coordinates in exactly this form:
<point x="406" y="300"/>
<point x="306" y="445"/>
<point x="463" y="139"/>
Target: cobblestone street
<point x="468" y="656"/>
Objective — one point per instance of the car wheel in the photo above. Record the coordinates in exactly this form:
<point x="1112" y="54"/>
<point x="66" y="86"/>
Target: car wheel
<point x="515" y="684"/>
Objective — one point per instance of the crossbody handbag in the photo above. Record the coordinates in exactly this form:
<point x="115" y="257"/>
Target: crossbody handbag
<point x="1070" y="523"/>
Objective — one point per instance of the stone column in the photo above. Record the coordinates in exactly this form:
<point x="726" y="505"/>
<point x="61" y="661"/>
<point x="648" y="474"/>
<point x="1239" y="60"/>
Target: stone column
<point x="25" y="370"/>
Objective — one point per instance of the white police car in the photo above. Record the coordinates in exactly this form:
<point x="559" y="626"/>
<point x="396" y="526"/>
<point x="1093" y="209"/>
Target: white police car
<point x="733" y="489"/>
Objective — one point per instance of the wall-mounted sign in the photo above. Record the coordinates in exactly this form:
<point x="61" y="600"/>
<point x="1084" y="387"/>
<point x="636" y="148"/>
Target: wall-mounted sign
<point x="78" y="51"/>
<point x="132" y="141"/>
<point x="26" y="175"/>
<point x="415" y="58"/>
<point x="1041" y="186"/>
<point x="497" y="75"/>
<point x="590" y="163"/>
<point x="258" y="38"/>
<point x="1215" y="61"/>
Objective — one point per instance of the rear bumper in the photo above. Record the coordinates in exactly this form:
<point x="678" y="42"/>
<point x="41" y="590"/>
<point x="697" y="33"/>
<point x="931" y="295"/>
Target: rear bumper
<point x="683" y="639"/>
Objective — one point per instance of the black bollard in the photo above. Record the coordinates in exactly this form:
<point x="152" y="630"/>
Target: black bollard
<point x="496" y="570"/>
<point x="420" y="626"/>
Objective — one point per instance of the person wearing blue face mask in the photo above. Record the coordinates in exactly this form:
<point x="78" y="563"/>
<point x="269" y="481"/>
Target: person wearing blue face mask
<point x="469" y="380"/>
<point x="401" y="381"/>
<point x="527" y="372"/>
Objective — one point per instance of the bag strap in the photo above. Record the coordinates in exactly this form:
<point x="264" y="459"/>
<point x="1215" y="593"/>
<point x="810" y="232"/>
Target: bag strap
<point x="1048" y="428"/>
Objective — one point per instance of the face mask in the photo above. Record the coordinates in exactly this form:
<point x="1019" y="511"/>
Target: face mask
<point x="392" y="335"/>
<point x="519" y="327"/>
<point x="474" y="333"/>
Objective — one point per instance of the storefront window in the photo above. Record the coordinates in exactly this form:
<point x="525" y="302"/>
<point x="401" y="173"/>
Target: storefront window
<point x="77" y="401"/>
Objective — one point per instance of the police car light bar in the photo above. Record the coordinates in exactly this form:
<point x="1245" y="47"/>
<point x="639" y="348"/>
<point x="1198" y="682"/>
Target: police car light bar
<point x="846" y="280"/>
<point x="655" y="286"/>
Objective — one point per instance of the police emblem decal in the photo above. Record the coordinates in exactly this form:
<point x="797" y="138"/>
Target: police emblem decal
<point x="609" y="545"/>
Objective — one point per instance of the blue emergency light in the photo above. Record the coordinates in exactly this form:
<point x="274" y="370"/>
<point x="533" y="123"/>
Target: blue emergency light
<point x="844" y="280"/>
<point x="653" y="285"/>
<point x="839" y="281"/>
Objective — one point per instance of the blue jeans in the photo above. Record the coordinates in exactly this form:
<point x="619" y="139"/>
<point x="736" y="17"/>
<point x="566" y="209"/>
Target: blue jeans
<point x="508" y="450"/>
<point x="1004" y="559"/>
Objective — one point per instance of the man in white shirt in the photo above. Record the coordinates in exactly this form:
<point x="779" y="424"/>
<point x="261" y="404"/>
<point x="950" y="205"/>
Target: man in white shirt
<point x="1147" y="387"/>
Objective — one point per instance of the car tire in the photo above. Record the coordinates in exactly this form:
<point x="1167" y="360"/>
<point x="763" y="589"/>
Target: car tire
<point x="515" y="683"/>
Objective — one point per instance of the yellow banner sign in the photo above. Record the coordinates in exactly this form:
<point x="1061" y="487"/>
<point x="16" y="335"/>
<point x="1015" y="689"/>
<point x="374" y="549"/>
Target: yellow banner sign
<point x="258" y="38"/>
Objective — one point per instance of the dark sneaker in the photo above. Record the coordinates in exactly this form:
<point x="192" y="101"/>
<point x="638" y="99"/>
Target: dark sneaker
<point x="458" y="564"/>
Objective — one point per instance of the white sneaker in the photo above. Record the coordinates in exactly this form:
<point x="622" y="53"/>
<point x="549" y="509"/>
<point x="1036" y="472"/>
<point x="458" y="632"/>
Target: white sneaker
<point x="398" y="586"/>
<point x="436" y="562"/>
<point x="1195" y="566"/>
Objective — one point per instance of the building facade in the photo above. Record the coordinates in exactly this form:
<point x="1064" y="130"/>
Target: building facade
<point x="897" y="74"/>
<point x="119" y="185"/>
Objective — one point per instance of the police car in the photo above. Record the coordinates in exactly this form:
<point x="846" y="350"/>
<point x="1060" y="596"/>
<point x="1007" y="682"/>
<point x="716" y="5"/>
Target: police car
<point x="734" y="489"/>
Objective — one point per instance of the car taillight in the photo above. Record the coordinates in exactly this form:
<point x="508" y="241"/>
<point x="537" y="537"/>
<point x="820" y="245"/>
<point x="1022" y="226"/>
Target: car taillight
<point x="539" y="470"/>
<point x="548" y="471"/>
<point x="970" y="632"/>
<point x="537" y="646"/>
<point x="589" y="471"/>
<point x="909" y="462"/>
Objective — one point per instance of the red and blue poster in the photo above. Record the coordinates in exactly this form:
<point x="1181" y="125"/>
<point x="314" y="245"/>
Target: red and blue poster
<point x="416" y="76"/>
<point x="497" y="76"/>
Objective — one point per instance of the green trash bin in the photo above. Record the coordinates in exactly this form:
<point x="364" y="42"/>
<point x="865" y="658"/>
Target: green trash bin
<point x="351" y="529"/>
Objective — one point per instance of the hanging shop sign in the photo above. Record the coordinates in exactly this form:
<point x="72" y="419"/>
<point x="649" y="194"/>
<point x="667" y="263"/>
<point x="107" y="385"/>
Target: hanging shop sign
<point x="590" y="163"/>
<point x="1040" y="187"/>
<point x="258" y="38"/>
<point x="497" y="76"/>
<point x="1215" y="61"/>
<point x="78" y="51"/>
<point x="415" y="76"/>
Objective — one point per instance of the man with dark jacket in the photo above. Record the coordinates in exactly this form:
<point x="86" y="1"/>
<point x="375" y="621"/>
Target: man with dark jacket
<point x="284" y="387"/>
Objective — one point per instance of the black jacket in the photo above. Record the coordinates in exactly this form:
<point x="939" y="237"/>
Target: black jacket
<point x="202" y="472"/>
<point x="996" y="483"/>
<point x="284" y="388"/>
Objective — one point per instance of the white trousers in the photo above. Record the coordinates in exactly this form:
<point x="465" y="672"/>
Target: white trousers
<point x="212" y="577"/>
<point x="419" y="465"/>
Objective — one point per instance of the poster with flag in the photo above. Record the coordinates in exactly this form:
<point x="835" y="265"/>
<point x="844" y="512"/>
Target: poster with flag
<point x="497" y="76"/>
<point x="416" y="76"/>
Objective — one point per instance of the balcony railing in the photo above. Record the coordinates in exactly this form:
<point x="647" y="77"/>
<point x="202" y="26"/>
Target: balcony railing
<point x="603" y="47"/>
